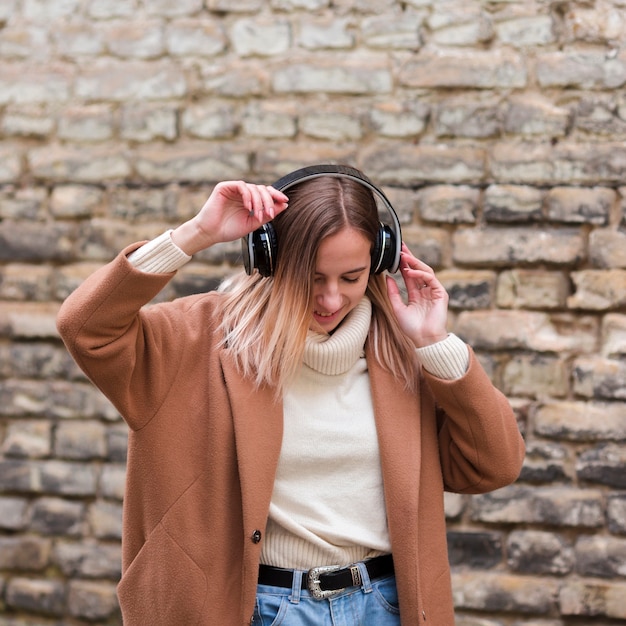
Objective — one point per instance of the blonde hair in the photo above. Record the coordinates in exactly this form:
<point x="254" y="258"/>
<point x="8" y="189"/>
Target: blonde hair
<point x="265" y="320"/>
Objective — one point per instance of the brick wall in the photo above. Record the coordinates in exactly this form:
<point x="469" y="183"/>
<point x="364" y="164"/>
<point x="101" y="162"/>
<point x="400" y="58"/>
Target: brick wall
<point x="497" y="129"/>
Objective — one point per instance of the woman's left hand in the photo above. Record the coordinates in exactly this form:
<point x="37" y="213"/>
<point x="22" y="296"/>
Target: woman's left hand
<point x="423" y="317"/>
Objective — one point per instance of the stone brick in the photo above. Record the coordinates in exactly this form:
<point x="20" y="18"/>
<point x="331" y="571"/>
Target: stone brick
<point x="333" y="126"/>
<point x="10" y="164"/>
<point x="468" y="289"/>
<point x="616" y="513"/>
<point x="35" y="242"/>
<point x="603" y="464"/>
<point x="592" y="598"/>
<point x="581" y="421"/>
<point x="532" y="289"/>
<point x="403" y="164"/>
<point x="195" y="162"/>
<point x="28" y="320"/>
<point x="25" y="553"/>
<point x="497" y="592"/>
<point x="471" y="69"/>
<point x="92" y="123"/>
<point x="27" y="83"/>
<point x="399" y="118"/>
<point x="33" y="121"/>
<point x="467" y="118"/>
<point x="601" y="557"/>
<point x="57" y="516"/>
<point x="260" y="37"/>
<point x="112" y="481"/>
<point x="553" y="506"/>
<point x="236" y="80"/>
<point x="367" y="76"/>
<point x="448" y="204"/>
<point x="599" y="378"/>
<point x="18" y="39"/>
<point x="480" y="550"/>
<point x="108" y="9"/>
<point x="25" y="282"/>
<point x="70" y="201"/>
<point x="49" y="399"/>
<point x="427" y="244"/>
<point x="269" y="120"/>
<point x="80" y="440"/>
<point x="13" y="513"/>
<point x="40" y="596"/>
<point x="600" y="25"/>
<point x="118" y="81"/>
<point x="565" y="163"/>
<point x="70" y="164"/>
<point x="598" y="290"/>
<point x="145" y="122"/>
<point x="607" y="248"/>
<point x="526" y="330"/>
<point x="197" y="37"/>
<point x="105" y="520"/>
<point x="512" y="203"/>
<point x="210" y="120"/>
<point x="540" y="552"/>
<point x="134" y="39"/>
<point x="536" y="376"/>
<point x="511" y="246"/>
<point x="146" y="204"/>
<point x="583" y="70"/>
<point x="92" y="600"/>
<point x="526" y="30"/>
<point x="575" y="205"/>
<point x="18" y="203"/>
<point x="531" y="115"/>
<point x="29" y="439"/>
<point x="466" y="25"/>
<point x="393" y="31"/>
<point x="614" y="335"/>
<point x="88" y="559"/>
<point x="599" y="114"/>
<point x="545" y="462"/>
<point x="326" y="32"/>
<point x="78" y="38"/>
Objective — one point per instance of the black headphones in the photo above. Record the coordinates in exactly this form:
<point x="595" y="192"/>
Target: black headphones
<point x="259" y="248"/>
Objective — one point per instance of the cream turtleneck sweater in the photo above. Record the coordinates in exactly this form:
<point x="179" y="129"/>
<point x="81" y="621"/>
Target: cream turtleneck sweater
<point x="328" y="502"/>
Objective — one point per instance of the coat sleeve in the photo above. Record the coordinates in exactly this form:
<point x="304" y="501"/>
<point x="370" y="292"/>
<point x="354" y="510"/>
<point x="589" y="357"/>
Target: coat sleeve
<point x="481" y="447"/>
<point x="129" y="352"/>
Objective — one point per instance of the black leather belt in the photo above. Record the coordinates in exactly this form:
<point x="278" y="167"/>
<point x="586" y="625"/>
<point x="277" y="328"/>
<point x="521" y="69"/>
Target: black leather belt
<point x="328" y="580"/>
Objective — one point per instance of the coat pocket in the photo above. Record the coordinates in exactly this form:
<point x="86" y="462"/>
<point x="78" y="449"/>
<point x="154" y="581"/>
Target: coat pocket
<point x="162" y="586"/>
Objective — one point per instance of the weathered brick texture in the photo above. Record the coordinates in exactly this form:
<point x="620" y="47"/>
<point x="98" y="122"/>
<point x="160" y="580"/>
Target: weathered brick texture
<point x="497" y="129"/>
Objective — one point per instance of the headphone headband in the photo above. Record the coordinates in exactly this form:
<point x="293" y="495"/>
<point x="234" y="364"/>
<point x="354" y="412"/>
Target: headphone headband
<point x="338" y="171"/>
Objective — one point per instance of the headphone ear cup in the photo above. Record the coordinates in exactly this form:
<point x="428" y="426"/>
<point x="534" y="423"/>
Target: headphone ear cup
<point x="259" y="250"/>
<point x="384" y="251"/>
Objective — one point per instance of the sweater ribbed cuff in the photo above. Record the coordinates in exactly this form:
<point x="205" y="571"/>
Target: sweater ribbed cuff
<point x="447" y="359"/>
<point x="159" y="256"/>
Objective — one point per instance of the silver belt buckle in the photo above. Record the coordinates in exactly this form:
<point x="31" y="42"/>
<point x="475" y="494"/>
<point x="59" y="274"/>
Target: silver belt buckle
<point x="313" y="581"/>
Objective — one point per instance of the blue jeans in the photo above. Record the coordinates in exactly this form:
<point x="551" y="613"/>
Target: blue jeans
<point x="371" y="604"/>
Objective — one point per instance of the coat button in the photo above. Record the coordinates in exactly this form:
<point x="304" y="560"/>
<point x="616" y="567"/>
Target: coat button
<point x="256" y="536"/>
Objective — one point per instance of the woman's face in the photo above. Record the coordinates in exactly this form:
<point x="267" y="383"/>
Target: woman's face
<point x="342" y="270"/>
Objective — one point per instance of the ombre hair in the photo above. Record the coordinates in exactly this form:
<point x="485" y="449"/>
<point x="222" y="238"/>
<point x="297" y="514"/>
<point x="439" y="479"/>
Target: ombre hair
<point x="265" y="320"/>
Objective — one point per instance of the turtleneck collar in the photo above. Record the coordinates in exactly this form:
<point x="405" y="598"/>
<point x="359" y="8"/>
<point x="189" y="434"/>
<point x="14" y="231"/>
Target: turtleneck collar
<point x="337" y="353"/>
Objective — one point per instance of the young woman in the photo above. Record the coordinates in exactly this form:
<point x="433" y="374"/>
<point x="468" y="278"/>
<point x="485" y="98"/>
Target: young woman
<point x="292" y="434"/>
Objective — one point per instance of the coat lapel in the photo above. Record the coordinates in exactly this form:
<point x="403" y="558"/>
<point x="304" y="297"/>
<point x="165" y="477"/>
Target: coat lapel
<point x="398" y="424"/>
<point x="258" y="424"/>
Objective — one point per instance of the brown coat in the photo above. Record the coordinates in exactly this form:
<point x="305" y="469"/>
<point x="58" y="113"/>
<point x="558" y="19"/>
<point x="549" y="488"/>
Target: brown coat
<point x="204" y="446"/>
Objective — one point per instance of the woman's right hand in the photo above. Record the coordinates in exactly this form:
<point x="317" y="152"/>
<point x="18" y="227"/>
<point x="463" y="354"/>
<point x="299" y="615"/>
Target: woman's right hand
<point x="234" y="209"/>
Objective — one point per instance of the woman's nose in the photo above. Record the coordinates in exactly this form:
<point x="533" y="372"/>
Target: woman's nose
<point x="330" y="297"/>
